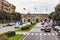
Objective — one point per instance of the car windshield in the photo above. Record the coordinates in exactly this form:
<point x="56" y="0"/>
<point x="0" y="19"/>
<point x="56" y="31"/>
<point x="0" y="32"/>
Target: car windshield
<point x="48" y="25"/>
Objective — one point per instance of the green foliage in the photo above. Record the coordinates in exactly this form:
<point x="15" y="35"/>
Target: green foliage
<point x="9" y="34"/>
<point x="25" y="27"/>
<point x="3" y="37"/>
<point x="16" y="37"/>
<point x="33" y="23"/>
<point x="56" y="15"/>
<point x="10" y="17"/>
<point x="57" y="8"/>
<point x="53" y="15"/>
<point x="6" y="35"/>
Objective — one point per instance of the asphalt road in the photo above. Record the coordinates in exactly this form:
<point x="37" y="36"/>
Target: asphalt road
<point x="10" y="28"/>
<point x="37" y="34"/>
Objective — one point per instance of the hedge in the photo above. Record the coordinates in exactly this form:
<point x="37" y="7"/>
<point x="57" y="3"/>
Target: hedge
<point x="8" y="34"/>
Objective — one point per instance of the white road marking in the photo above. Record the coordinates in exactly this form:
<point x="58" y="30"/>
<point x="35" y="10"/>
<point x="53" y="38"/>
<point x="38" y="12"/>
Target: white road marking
<point x="49" y="34"/>
<point x="25" y="37"/>
<point x="53" y="34"/>
<point x="45" y="34"/>
<point x="32" y="33"/>
<point x="56" y="33"/>
<point x="36" y="34"/>
<point x="40" y="39"/>
<point x="40" y="34"/>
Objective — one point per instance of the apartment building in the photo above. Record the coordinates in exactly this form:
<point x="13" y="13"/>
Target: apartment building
<point x="1" y="4"/>
<point x="6" y="6"/>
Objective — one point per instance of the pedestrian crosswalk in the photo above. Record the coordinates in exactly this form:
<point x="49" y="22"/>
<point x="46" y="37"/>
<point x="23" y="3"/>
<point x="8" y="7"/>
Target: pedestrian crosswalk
<point x="41" y="34"/>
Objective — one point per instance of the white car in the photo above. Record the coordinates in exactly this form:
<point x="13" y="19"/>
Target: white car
<point x="47" y="28"/>
<point x="16" y="25"/>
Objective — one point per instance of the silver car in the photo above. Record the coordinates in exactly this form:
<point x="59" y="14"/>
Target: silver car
<point x="47" y="28"/>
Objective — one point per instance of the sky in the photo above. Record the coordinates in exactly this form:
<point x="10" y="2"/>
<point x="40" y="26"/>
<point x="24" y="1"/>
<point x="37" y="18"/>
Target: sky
<point x="42" y="6"/>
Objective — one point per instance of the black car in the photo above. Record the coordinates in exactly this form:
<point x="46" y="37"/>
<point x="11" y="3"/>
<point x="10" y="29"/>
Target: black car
<point x="42" y="23"/>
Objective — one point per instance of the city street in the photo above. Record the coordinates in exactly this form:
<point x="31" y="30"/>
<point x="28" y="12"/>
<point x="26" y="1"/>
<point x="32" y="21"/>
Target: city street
<point x="10" y="28"/>
<point x="37" y="34"/>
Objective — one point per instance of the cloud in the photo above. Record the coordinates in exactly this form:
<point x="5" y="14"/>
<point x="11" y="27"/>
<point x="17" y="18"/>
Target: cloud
<point x="41" y="5"/>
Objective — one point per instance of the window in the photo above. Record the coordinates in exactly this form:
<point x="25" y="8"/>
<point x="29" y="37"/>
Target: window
<point x="28" y="20"/>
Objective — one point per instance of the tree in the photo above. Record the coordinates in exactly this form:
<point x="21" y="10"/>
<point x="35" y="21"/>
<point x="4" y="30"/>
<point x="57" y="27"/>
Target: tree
<point x="17" y="16"/>
<point x="53" y="16"/>
<point x="56" y="15"/>
<point x="7" y="17"/>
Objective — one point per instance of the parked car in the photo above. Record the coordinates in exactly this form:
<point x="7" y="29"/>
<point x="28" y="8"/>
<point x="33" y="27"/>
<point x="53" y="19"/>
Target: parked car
<point x="47" y="28"/>
<point x="53" y="25"/>
<point x="58" y="34"/>
<point x="4" y="25"/>
<point x="42" y="23"/>
<point x="9" y="24"/>
<point x="21" y="23"/>
<point x="16" y="25"/>
<point x="57" y="27"/>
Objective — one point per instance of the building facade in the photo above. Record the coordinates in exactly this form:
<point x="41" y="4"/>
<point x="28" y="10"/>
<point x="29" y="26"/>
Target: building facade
<point x="6" y="6"/>
<point x="35" y="17"/>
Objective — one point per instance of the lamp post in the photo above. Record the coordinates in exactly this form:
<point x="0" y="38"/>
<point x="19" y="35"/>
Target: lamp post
<point x="35" y="9"/>
<point x="24" y="9"/>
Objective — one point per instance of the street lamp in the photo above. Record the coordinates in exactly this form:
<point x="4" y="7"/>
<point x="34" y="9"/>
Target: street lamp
<point x="35" y="9"/>
<point x="24" y="9"/>
<point x="46" y="10"/>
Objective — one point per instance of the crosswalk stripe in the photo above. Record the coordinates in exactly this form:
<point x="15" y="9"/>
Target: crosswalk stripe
<point x="36" y="34"/>
<point x="32" y="33"/>
<point x="56" y="33"/>
<point x="40" y="33"/>
<point x="45" y="34"/>
<point x="53" y="34"/>
<point x="49" y="34"/>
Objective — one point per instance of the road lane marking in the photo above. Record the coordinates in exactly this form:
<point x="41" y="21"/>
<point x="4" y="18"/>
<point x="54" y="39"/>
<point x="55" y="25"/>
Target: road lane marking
<point x="32" y="33"/>
<point x="56" y="33"/>
<point x="45" y="34"/>
<point x="40" y="39"/>
<point x="49" y="34"/>
<point x="40" y="34"/>
<point x="25" y="37"/>
<point x="53" y="34"/>
<point x="36" y="34"/>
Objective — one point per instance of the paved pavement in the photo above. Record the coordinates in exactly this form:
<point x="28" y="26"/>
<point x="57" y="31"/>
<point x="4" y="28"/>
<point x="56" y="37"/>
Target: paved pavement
<point x="37" y="34"/>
